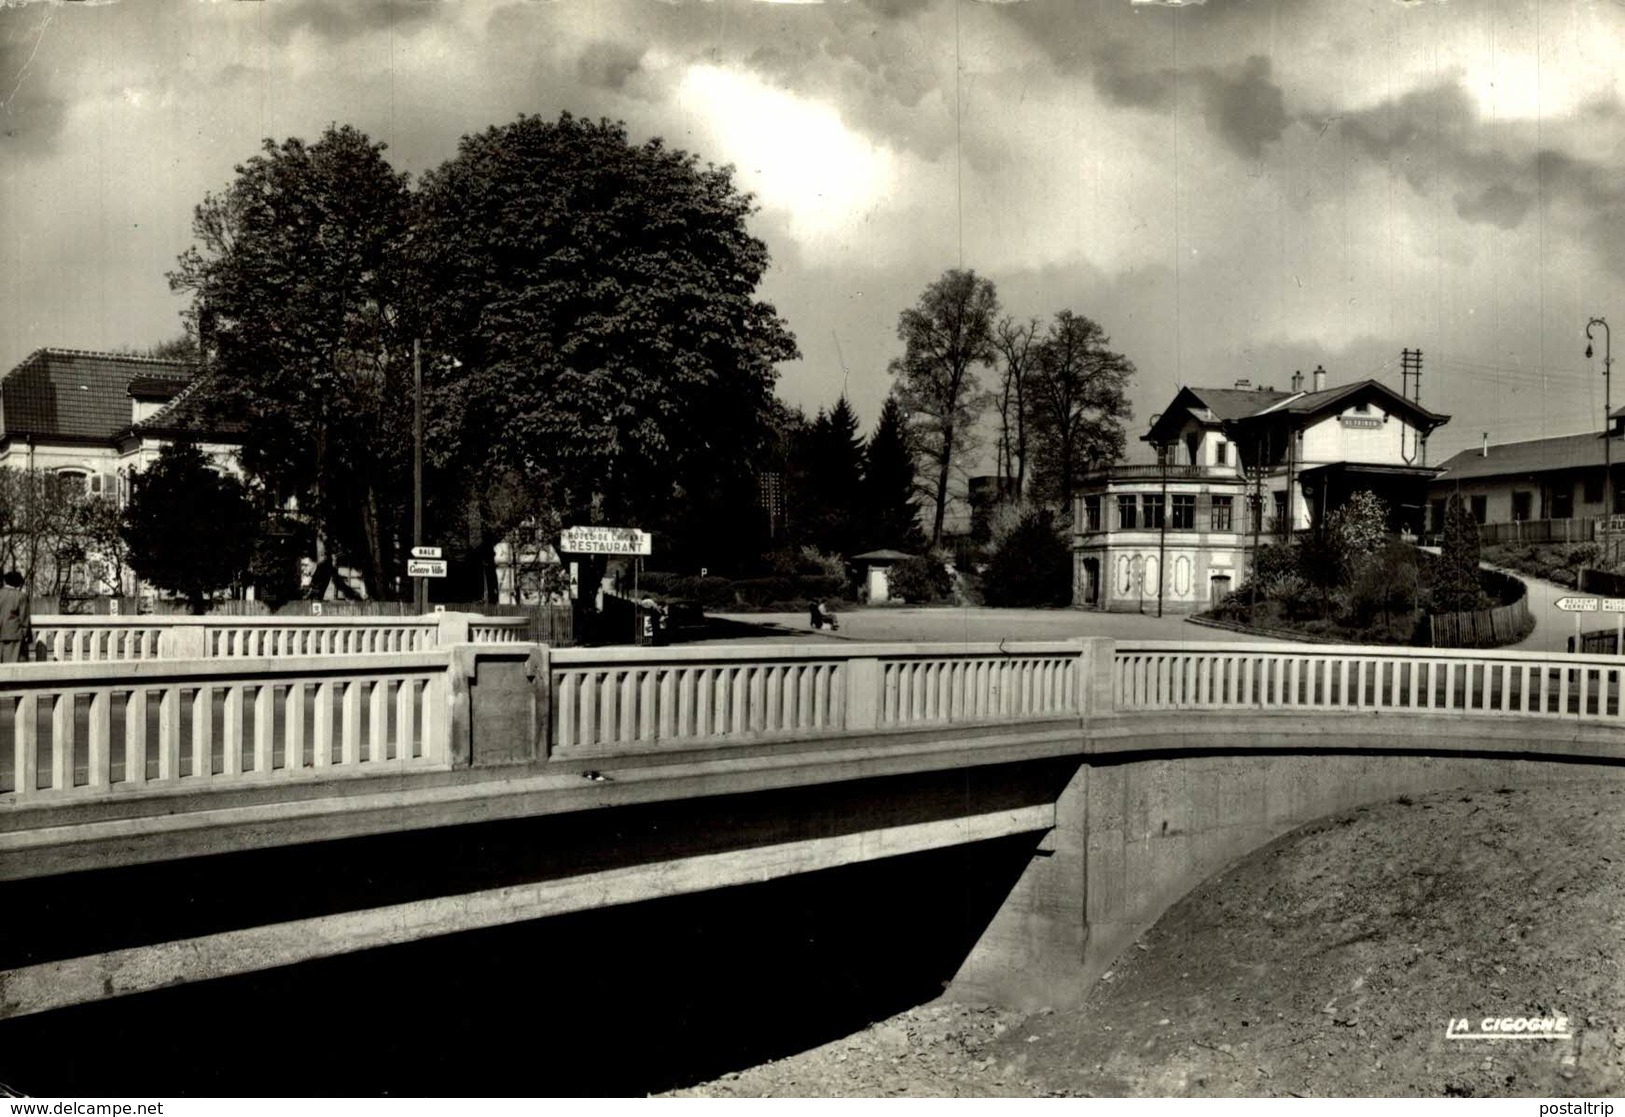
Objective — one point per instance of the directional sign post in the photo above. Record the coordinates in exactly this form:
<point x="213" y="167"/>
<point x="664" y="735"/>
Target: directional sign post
<point x="1578" y="605"/>
<point x="426" y="568"/>
<point x="1616" y="606"/>
<point x="426" y="553"/>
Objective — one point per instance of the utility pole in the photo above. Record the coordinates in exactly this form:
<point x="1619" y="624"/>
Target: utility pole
<point x="1162" y="534"/>
<point x="1410" y="364"/>
<point x="1607" y="435"/>
<point x="420" y="588"/>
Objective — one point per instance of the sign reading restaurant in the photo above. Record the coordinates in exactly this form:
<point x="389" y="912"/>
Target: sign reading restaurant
<point x="605" y="541"/>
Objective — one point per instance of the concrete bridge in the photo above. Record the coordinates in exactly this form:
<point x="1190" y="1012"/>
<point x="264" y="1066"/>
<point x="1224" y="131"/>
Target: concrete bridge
<point x="174" y="820"/>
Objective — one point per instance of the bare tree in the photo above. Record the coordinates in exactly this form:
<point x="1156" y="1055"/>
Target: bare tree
<point x="1014" y="342"/>
<point x="1078" y="403"/>
<point x="945" y="336"/>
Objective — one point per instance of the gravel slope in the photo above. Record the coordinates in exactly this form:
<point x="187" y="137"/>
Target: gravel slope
<point x="1327" y="963"/>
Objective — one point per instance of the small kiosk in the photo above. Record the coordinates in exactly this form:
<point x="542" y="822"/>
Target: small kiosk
<point x="877" y="573"/>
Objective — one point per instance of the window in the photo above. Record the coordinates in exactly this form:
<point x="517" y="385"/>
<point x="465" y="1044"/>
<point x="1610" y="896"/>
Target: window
<point x="1362" y="408"/>
<point x="1219" y="517"/>
<point x="1221" y="452"/>
<point x="1126" y="519"/>
<point x="1281" y="524"/>
<point x="1562" y="505"/>
<point x="1593" y="488"/>
<point x="67" y="484"/>
<point x="1091" y="513"/>
<point x="1184" y="512"/>
<point x="1480" y="508"/>
<point x="1520" y="507"/>
<point x="1153" y="511"/>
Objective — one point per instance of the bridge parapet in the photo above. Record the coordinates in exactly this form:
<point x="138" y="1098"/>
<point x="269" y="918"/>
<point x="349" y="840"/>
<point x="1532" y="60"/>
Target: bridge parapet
<point x="641" y="698"/>
<point x="72" y="732"/>
<point x="1172" y="675"/>
<point x="76" y="638"/>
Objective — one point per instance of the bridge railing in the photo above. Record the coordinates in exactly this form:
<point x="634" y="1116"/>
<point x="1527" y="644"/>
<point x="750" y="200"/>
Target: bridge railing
<point x="74" y="638"/>
<point x="72" y="732"/>
<point x="1169" y="675"/>
<point x="637" y="698"/>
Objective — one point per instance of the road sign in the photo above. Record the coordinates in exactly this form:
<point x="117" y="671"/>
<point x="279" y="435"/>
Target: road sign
<point x="606" y="541"/>
<point x="426" y="568"/>
<point x="1577" y="604"/>
<point x="1613" y="605"/>
<point x="427" y="552"/>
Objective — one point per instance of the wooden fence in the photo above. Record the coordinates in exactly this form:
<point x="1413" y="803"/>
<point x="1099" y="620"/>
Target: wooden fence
<point x="1485" y="628"/>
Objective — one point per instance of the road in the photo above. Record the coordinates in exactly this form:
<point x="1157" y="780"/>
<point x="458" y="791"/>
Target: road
<point x="966" y="625"/>
<point x="1553" y="627"/>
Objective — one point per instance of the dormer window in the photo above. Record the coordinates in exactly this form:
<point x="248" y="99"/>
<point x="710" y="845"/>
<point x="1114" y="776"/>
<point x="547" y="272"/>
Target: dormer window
<point x="1362" y="409"/>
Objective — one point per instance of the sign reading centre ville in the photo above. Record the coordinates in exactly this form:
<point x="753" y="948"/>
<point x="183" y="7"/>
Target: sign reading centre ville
<point x="606" y="541"/>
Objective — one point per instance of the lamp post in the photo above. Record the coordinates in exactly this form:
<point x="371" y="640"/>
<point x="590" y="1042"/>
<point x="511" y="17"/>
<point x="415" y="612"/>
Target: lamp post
<point x="1607" y="435"/>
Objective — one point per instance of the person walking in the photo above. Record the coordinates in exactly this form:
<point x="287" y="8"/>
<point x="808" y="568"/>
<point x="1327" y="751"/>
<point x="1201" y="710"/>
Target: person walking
<point x="16" y="623"/>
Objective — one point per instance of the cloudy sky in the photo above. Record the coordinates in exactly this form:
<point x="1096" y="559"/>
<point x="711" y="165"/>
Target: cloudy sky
<point x="1235" y="188"/>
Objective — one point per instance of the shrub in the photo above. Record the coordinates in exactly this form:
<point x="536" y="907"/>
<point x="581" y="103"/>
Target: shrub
<point x="920" y="580"/>
<point x="1456" y="588"/>
<point x="1032" y="566"/>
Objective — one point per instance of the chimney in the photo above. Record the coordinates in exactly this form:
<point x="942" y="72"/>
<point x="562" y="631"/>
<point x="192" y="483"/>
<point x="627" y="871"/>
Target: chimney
<point x="1244" y="383"/>
<point x="1297" y="381"/>
<point x="1484" y="453"/>
<point x="1320" y="379"/>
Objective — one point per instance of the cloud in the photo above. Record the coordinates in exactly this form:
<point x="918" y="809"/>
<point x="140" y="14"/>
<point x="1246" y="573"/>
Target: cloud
<point x="1241" y="105"/>
<point x="31" y="112"/>
<point x="609" y="65"/>
<point x="339" y="23"/>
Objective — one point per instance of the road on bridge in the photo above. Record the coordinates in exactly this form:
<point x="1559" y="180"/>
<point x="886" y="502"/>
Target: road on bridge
<point x="964" y="625"/>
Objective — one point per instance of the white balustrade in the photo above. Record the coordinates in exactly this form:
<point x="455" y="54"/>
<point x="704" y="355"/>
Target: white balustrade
<point x="633" y="698"/>
<point x="1167" y="675"/>
<point x="75" y="638"/>
<point x="70" y="731"/>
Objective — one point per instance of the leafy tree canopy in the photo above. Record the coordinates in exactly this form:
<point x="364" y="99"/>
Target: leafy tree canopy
<point x="189" y="528"/>
<point x="600" y="298"/>
<point x="297" y="303"/>
<point x="1078" y="403"/>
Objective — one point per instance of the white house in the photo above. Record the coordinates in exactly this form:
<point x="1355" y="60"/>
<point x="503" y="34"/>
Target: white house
<point x="1239" y="466"/>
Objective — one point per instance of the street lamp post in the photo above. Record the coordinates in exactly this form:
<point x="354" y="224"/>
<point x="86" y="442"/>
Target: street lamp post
<point x="1607" y="435"/>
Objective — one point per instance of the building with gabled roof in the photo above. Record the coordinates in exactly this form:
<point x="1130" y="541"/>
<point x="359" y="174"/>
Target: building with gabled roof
<point x="92" y="419"/>
<point x="1238" y="466"/>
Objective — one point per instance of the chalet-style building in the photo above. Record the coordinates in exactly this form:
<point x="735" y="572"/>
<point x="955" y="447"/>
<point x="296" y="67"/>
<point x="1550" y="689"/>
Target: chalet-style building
<point x="1239" y="466"/>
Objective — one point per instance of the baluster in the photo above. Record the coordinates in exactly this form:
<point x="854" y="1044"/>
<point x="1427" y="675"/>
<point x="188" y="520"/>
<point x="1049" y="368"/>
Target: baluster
<point x="631" y="681"/>
<point x="405" y="731"/>
<point x="231" y="743"/>
<point x="665" y="724"/>
<point x="293" y="728"/>
<point x="135" y="737"/>
<point x="98" y="749"/>
<point x="687" y="681"/>
<point x="203" y="731"/>
<point x="62" y="741"/>
<point x="169" y="732"/>
<point x="321" y="726"/>
<point x="350" y="725"/>
<point x="264" y="727"/>
<point x="821" y="701"/>
<point x="609" y="692"/>
<point x="648" y="714"/>
<point x="378" y="722"/>
<point x="1562" y="691"/>
<point x="567" y="712"/>
<point x="25" y="745"/>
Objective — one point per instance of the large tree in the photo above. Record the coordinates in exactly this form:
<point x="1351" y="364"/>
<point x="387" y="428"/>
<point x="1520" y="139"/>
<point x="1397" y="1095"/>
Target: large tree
<point x="189" y="528"/>
<point x="1014" y="341"/>
<point x="891" y="512"/>
<point x="599" y="299"/>
<point x="945" y="337"/>
<point x="825" y="498"/>
<point x="1079" y="404"/>
<point x="297" y="304"/>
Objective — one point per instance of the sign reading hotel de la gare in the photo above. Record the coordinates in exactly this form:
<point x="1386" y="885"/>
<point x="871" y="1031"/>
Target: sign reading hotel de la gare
<point x="605" y="541"/>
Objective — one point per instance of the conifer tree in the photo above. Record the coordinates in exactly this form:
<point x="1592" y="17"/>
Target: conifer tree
<point x="891" y="512"/>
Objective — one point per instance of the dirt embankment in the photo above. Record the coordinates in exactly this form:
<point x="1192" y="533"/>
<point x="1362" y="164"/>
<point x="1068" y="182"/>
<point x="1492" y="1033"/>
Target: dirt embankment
<point x="1329" y="963"/>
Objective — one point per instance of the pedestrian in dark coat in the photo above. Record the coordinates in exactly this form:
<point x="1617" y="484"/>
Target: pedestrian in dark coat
<point x="16" y="625"/>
